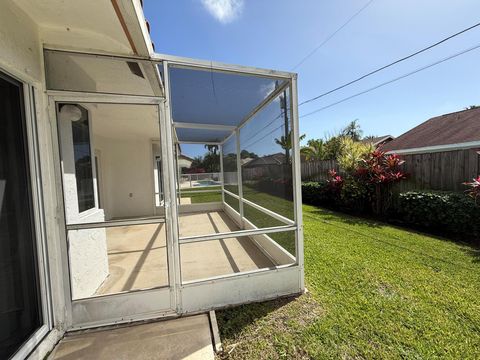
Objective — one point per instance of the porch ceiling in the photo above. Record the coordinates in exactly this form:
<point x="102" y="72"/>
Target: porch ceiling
<point x="124" y="121"/>
<point x="213" y="100"/>
<point x="87" y="24"/>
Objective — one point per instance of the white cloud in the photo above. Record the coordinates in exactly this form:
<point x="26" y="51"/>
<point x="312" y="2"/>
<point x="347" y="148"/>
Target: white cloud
<point x="224" y="11"/>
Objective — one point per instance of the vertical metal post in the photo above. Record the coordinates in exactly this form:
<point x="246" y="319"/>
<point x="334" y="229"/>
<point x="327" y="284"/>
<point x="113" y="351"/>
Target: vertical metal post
<point x="177" y="166"/>
<point x="171" y="206"/>
<point x="239" y="176"/>
<point x="297" y="178"/>
<point x="221" y="173"/>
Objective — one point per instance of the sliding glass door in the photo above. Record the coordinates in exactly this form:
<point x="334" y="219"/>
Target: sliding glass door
<point x="20" y="306"/>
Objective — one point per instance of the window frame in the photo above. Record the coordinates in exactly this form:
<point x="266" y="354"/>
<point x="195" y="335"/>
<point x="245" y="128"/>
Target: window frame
<point x="29" y="105"/>
<point x="95" y="207"/>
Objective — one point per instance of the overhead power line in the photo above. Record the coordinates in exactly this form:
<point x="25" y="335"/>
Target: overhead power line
<point x="331" y="35"/>
<point x="393" y="80"/>
<point x="389" y="65"/>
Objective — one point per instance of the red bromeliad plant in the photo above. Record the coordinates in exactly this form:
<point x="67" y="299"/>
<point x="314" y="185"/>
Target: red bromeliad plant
<point x="371" y="179"/>
<point x="336" y="181"/>
<point x="379" y="171"/>
<point x="474" y="189"/>
<point x="380" y="168"/>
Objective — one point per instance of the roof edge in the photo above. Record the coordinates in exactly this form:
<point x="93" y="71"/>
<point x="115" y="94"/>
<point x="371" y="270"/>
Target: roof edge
<point x="436" y="148"/>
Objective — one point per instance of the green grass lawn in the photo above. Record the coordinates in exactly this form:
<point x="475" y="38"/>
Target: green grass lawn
<point x="257" y="217"/>
<point x="203" y="195"/>
<point x="375" y="292"/>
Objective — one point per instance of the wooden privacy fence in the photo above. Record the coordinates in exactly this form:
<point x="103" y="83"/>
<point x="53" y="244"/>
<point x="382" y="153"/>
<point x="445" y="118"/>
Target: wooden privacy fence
<point x="318" y="170"/>
<point x="446" y="170"/>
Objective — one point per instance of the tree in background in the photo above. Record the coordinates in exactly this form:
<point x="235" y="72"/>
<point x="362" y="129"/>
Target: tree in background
<point x="286" y="143"/>
<point x="315" y="150"/>
<point x="333" y="148"/>
<point x="352" y="153"/>
<point x="245" y="154"/>
<point x="353" y="131"/>
<point x="212" y="148"/>
<point x="210" y="162"/>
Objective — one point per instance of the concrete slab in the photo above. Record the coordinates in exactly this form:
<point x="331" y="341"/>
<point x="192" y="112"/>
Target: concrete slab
<point x="137" y="255"/>
<point x="183" y="338"/>
<point x="205" y="223"/>
<point x="137" y="258"/>
<point x="221" y="257"/>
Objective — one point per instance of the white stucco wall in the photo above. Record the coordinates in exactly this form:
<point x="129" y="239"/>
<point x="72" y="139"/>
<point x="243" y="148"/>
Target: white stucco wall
<point x="88" y="258"/>
<point x="87" y="249"/>
<point x="21" y="57"/>
<point x="19" y="43"/>
<point x="131" y="161"/>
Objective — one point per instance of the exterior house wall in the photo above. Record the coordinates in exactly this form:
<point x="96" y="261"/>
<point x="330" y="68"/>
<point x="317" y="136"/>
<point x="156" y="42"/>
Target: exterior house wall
<point x="87" y="248"/>
<point x="22" y="57"/>
<point x="130" y="160"/>
<point x="20" y="44"/>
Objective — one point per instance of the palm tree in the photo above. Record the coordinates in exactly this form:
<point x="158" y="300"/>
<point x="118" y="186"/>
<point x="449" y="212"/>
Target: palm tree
<point x="212" y="149"/>
<point x="286" y="143"/>
<point x="314" y="150"/>
<point x="353" y="130"/>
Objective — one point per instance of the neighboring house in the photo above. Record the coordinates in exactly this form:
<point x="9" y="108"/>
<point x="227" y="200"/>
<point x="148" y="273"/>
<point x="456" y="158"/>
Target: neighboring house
<point x="184" y="161"/>
<point x="378" y="141"/>
<point x="274" y="159"/>
<point x="454" y="131"/>
<point x="92" y="232"/>
<point x="442" y="152"/>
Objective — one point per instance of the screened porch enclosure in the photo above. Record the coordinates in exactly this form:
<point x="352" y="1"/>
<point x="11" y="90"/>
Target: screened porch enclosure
<point x="245" y="122"/>
<point x="154" y="226"/>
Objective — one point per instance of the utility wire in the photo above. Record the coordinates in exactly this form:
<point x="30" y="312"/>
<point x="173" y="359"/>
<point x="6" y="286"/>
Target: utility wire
<point x="391" y="64"/>
<point x="264" y="136"/>
<point x="332" y="35"/>
<point x="393" y="80"/>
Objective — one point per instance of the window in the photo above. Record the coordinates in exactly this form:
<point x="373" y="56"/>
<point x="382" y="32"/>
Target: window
<point x="83" y="162"/>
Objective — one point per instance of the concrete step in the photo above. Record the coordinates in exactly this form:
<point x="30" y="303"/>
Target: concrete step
<point x="183" y="338"/>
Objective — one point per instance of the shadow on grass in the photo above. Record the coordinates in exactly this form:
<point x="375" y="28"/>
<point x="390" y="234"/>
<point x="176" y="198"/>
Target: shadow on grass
<point x="349" y="219"/>
<point x="474" y="252"/>
<point x="349" y="223"/>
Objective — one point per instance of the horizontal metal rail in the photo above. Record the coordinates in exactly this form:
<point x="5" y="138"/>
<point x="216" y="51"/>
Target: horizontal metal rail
<point x="207" y="65"/>
<point x="186" y="192"/>
<point x="234" y="234"/>
<point x="262" y="209"/>
<point x="114" y="223"/>
<point x="232" y="194"/>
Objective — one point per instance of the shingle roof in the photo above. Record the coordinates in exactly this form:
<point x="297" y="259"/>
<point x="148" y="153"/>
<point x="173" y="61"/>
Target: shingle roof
<point x="454" y="128"/>
<point x="274" y="159"/>
<point x="378" y="139"/>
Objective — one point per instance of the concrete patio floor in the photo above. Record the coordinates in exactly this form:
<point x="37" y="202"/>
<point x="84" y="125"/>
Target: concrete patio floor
<point x="137" y="255"/>
<point x="182" y="338"/>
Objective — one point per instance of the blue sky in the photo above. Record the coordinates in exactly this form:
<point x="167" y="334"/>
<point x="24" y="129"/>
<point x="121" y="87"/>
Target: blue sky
<point x="277" y="34"/>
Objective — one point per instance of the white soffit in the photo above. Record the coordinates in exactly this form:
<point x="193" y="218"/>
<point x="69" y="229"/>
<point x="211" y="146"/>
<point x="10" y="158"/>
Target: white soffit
<point x="91" y="25"/>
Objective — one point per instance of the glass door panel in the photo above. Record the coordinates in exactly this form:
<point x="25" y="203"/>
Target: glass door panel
<point x="20" y="308"/>
<point x="114" y="208"/>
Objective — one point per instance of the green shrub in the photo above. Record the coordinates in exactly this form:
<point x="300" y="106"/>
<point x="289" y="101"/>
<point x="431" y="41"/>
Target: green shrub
<point x="355" y="195"/>
<point x="317" y="193"/>
<point x="445" y="212"/>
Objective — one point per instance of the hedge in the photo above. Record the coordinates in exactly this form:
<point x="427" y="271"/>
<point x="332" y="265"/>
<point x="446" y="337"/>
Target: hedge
<point x="317" y="193"/>
<point x="447" y="212"/>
